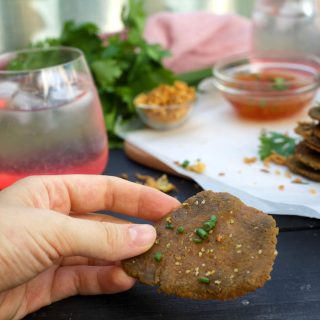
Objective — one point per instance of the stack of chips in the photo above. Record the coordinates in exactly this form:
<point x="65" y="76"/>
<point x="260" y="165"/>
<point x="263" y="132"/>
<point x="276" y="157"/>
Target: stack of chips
<point x="306" y="158"/>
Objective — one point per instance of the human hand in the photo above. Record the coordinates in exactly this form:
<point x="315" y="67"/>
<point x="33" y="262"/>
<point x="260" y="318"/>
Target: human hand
<point x="48" y="253"/>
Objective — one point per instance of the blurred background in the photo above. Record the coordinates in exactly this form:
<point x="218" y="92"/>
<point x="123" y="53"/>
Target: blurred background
<point x="22" y="21"/>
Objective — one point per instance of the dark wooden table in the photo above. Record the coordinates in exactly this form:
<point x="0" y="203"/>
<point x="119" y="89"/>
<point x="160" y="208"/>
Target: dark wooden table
<point x="293" y="293"/>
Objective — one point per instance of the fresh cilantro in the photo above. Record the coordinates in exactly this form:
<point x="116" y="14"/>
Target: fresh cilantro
<point x="123" y="66"/>
<point x="185" y="164"/>
<point x="262" y="103"/>
<point x="279" y="143"/>
<point x="279" y="84"/>
<point x="107" y="72"/>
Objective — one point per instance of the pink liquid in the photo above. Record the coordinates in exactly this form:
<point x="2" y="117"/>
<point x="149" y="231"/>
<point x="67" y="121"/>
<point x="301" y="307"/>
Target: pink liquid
<point x="70" y="139"/>
<point x="92" y="166"/>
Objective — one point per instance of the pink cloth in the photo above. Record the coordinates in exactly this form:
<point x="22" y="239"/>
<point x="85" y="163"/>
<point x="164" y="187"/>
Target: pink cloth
<point x="197" y="40"/>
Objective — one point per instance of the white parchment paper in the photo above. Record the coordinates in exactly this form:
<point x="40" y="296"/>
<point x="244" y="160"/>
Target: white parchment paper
<point x="221" y="140"/>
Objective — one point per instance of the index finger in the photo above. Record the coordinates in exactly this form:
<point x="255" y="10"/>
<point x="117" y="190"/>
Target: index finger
<point x="87" y="193"/>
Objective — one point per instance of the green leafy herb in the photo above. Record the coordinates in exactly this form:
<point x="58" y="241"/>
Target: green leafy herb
<point x="279" y="84"/>
<point x="123" y="66"/>
<point x="279" y="143"/>
<point x="185" y="164"/>
<point x="197" y="240"/>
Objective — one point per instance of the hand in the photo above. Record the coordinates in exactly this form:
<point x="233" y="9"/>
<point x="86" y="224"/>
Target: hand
<point x="50" y="252"/>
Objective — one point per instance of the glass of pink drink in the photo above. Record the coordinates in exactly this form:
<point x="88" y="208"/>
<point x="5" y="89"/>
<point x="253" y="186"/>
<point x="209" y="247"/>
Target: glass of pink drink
<point x="51" y="120"/>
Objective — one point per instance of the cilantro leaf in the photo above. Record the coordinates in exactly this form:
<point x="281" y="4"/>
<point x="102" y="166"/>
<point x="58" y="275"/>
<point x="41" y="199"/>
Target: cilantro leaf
<point x="185" y="164"/>
<point x="275" y="142"/>
<point x="279" y="84"/>
<point x="107" y="72"/>
<point x="134" y="17"/>
<point x="84" y="37"/>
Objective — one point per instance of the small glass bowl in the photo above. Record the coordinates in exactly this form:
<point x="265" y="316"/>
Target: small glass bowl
<point x="263" y="100"/>
<point x="164" y="117"/>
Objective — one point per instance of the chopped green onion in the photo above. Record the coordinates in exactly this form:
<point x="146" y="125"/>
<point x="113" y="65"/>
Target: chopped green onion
<point x="158" y="256"/>
<point x="202" y="233"/>
<point x="213" y="218"/>
<point x="197" y="240"/>
<point x="209" y="225"/>
<point x="185" y="164"/>
<point x="169" y="226"/>
<point x="204" y="280"/>
<point x="279" y="84"/>
<point x="180" y="229"/>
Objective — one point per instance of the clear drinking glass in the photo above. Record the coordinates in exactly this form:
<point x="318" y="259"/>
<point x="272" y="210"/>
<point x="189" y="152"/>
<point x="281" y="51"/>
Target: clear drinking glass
<point x="283" y="28"/>
<point x="51" y="120"/>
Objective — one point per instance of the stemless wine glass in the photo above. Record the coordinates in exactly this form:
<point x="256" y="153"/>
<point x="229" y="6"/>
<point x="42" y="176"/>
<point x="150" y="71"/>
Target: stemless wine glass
<point x="51" y="120"/>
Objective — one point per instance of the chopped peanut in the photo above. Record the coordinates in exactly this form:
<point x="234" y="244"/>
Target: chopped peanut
<point x="162" y="183"/>
<point x="250" y="160"/>
<point x="168" y="103"/>
<point x="275" y="158"/>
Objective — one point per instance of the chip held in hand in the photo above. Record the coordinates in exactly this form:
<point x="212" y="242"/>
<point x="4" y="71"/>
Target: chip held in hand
<point x="212" y="247"/>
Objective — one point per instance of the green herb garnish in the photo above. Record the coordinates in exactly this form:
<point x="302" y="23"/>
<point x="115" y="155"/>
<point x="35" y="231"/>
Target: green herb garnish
<point x="185" y="164"/>
<point x="197" y="240"/>
<point x="122" y="66"/>
<point x="274" y="142"/>
<point x="204" y="280"/>
<point x="209" y="225"/>
<point x="213" y="218"/>
<point x="158" y="256"/>
<point x="180" y="229"/>
<point x="262" y="103"/>
<point x="202" y="233"/>
<point x="279" y="84"/>
<point x="169" y="226"/>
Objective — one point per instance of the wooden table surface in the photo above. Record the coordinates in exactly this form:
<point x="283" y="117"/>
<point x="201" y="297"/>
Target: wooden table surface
<point x="293" y="293"/>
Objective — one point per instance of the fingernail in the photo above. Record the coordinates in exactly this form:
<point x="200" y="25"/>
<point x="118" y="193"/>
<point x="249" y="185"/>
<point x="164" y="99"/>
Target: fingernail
<point x="142" y="234"/>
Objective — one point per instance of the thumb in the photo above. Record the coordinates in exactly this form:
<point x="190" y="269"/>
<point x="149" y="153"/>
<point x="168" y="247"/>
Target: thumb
<point x="104" y="240"/>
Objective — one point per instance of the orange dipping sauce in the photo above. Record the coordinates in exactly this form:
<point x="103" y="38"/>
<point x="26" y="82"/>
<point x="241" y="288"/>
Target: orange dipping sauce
<point x="268" y="89"/>
<point x="269" y="96"/>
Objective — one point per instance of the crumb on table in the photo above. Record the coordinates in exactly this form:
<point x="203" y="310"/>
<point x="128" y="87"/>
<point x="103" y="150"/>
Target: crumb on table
<point x="162" y="183"/>
<point x="250" y="160"/>
<point x="313" y="191"/>
<point x="275" y="158"/>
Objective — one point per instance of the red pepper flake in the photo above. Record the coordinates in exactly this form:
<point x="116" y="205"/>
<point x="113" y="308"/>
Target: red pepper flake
<point x="219" y="237"/>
